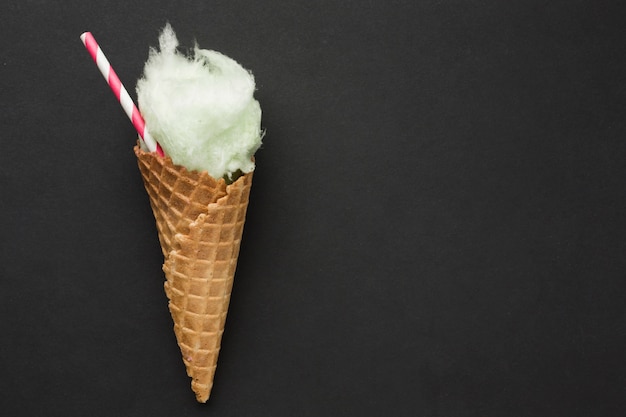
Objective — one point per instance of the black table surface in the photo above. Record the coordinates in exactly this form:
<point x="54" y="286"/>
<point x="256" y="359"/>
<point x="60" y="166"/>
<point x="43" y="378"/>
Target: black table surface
<point x="436" y="226"/>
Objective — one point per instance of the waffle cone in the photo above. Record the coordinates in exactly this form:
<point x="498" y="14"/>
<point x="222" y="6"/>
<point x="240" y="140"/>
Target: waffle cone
<point x="200" y="223"/>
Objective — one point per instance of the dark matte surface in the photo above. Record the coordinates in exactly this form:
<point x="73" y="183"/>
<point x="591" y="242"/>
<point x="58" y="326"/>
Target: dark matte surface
<point x="436" y="226"/>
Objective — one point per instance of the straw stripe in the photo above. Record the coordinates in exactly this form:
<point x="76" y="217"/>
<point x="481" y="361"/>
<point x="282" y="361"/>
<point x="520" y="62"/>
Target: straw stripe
<point x="120" y="92"/>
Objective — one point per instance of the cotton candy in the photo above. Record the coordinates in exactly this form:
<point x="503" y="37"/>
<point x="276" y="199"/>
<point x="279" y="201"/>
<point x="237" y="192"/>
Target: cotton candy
<point x="200" y="108"/>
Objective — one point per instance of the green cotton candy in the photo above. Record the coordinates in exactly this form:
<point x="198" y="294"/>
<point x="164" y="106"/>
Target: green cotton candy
<point x="200" y="108"/>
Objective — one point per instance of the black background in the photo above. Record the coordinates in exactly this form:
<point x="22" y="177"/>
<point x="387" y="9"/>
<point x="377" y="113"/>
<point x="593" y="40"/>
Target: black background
<point x="436" y="225"/>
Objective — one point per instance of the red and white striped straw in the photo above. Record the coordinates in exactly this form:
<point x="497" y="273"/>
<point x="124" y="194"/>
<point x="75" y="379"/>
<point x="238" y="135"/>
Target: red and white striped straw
<point x="120" y="92"/>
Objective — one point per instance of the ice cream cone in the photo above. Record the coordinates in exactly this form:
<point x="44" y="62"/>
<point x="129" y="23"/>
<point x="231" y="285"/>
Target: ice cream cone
<point x="200" y="223"/>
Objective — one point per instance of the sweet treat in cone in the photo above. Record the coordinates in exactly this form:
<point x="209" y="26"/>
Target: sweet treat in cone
<point x="201" y="111"/>
<point x="196" y="158"/>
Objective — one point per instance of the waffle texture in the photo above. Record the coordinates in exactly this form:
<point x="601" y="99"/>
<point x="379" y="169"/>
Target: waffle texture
<point x="200" y="223"/>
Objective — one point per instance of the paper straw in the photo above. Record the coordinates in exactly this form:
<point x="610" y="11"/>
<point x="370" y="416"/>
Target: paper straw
<point x="120" y="92"/>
